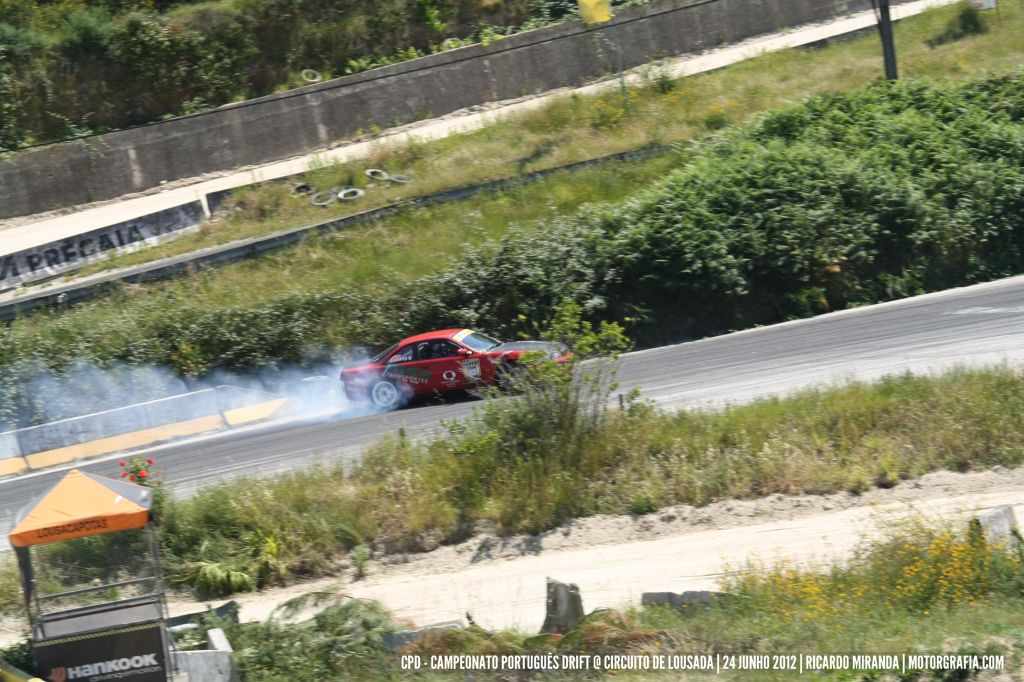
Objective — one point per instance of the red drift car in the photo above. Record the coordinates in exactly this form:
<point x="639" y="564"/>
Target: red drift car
<point x="437" y="362"/>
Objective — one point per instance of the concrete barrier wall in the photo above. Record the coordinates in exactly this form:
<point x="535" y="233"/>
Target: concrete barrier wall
<point x="123" y="442"/>
<point x="134" y="426"/>
<point x="145" y="420"/>
<point x="253" y="413"/>
<point x="156" y="413"/>
<point x="312" y="117"/>
<point x="214" y="664"/>
<point x="9" y="446"/>
<point x="12" y="466"/>
<point x="205" y="665"/>
<point x="11" y="461"/>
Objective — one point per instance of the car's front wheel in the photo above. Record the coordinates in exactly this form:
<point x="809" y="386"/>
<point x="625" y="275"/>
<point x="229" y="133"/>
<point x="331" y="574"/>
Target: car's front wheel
<point x="509" y="376"/>
<point x="385" y="394"/>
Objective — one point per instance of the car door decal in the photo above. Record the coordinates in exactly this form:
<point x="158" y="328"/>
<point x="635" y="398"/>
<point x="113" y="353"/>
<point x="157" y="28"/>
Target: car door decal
<point x="471" y="369"/>
<point x="412" y="375"/>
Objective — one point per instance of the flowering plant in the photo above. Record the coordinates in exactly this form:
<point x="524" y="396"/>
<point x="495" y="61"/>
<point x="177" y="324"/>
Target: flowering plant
<point x="138" y="470"/>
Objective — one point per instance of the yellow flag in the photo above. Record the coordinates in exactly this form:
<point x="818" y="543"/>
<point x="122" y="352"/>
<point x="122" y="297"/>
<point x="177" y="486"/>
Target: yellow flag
<point x="595" y="11"/>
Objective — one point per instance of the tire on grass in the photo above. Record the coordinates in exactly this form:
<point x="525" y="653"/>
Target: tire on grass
<point x="323" y="198"/>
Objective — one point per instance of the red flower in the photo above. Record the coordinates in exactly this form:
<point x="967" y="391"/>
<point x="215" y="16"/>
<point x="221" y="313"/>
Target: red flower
<point x="122" y="463"/>
<point x="132" y="477"/>
<point x="123" y="474"/>
<point x="143" y="473"/>
<point x="150" y="460"/>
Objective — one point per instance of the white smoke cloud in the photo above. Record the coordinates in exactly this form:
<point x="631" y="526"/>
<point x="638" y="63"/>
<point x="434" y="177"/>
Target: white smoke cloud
<point x="84" y="388"/>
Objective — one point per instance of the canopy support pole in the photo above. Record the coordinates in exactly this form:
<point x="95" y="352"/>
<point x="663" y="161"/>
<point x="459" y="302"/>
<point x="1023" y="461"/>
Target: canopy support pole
<point x="28" y="579"/>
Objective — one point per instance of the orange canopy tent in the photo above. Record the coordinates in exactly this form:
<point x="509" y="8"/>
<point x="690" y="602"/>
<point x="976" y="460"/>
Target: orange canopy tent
<point x="82" y="504"/>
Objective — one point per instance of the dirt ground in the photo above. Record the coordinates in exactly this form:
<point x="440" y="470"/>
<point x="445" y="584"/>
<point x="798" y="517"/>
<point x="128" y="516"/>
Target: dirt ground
<point x="614" y="559"/>
<point x="500" y="582"/>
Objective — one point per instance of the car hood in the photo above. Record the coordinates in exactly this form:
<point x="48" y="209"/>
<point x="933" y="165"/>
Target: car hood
<point x="552" y="349"/>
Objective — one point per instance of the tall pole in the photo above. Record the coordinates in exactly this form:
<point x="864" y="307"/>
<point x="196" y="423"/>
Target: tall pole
<point x="888" y="44"/>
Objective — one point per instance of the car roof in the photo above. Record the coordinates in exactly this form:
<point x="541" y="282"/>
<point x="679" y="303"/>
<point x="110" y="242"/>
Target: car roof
<point x="427" y="336"/>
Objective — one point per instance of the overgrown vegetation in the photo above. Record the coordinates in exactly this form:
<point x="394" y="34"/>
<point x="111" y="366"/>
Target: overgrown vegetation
<point x="75" y="67"/>
<point x="946" y="589"/>
<point x="525" y="464"/>
<point x="272" y="207"/>
<point x="967" y="22"/>
<point x="344" y="635"/>
<point x="571" y="128"/>
<point x="943" y="589"/>
<point x="845" y="200"/>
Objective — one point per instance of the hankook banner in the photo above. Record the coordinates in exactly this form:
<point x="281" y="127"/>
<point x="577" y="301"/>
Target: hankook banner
<point x="69" y="254"/>
<point x="134" y="654"/>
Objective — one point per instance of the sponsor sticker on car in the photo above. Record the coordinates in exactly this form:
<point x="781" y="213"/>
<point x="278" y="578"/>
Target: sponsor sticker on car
<point x="412" y="375"/>
<point x="471" y="368"/>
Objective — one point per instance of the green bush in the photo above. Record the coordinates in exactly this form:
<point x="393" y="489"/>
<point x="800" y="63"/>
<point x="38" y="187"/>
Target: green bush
<point x="967" y="22"/>
<point x="346" y="637"/>
<point x="848" y="199"/>
<point x="20" y="43"/>
<point x="87" y="32"/>
<point x="124" y="62"/>
<point x="11" y="134"/>
<point x="360" y="556"/>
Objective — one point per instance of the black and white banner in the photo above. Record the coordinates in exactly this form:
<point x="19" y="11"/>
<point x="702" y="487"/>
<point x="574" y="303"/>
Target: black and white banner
<point x="56" y="258"/>
<point x="137" y="654"/>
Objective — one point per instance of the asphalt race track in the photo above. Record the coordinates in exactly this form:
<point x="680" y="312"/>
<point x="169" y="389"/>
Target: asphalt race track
<point x="978" y="325"/>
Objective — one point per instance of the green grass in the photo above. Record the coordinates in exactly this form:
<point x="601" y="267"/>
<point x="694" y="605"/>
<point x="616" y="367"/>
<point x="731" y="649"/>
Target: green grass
<point x="331" y="293"/>
<point x="849" y="199"/>
<point x="574" y="128"/>
<point x="528" y="464"/>
<point x="366" y="264"/>
<point x="410" y="244"/>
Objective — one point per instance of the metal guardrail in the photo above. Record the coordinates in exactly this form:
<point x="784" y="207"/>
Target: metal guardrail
<point x="255" y="247"/>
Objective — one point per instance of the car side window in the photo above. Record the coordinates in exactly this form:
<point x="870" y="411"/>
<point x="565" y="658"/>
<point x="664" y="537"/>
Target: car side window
<point x="443" y="349"/>
<point x="406" y="354"/>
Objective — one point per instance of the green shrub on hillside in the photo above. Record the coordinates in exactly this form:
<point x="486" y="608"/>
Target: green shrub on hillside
<point x="76" y="67"/>
<point x="845" y="200"/>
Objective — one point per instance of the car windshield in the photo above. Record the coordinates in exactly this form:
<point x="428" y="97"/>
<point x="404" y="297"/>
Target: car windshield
<point x="480" y="342"/>
<point x="384" y="353"/>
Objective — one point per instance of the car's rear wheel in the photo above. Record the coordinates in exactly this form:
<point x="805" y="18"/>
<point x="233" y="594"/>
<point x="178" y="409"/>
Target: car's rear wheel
<point x="385" y="394"/>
